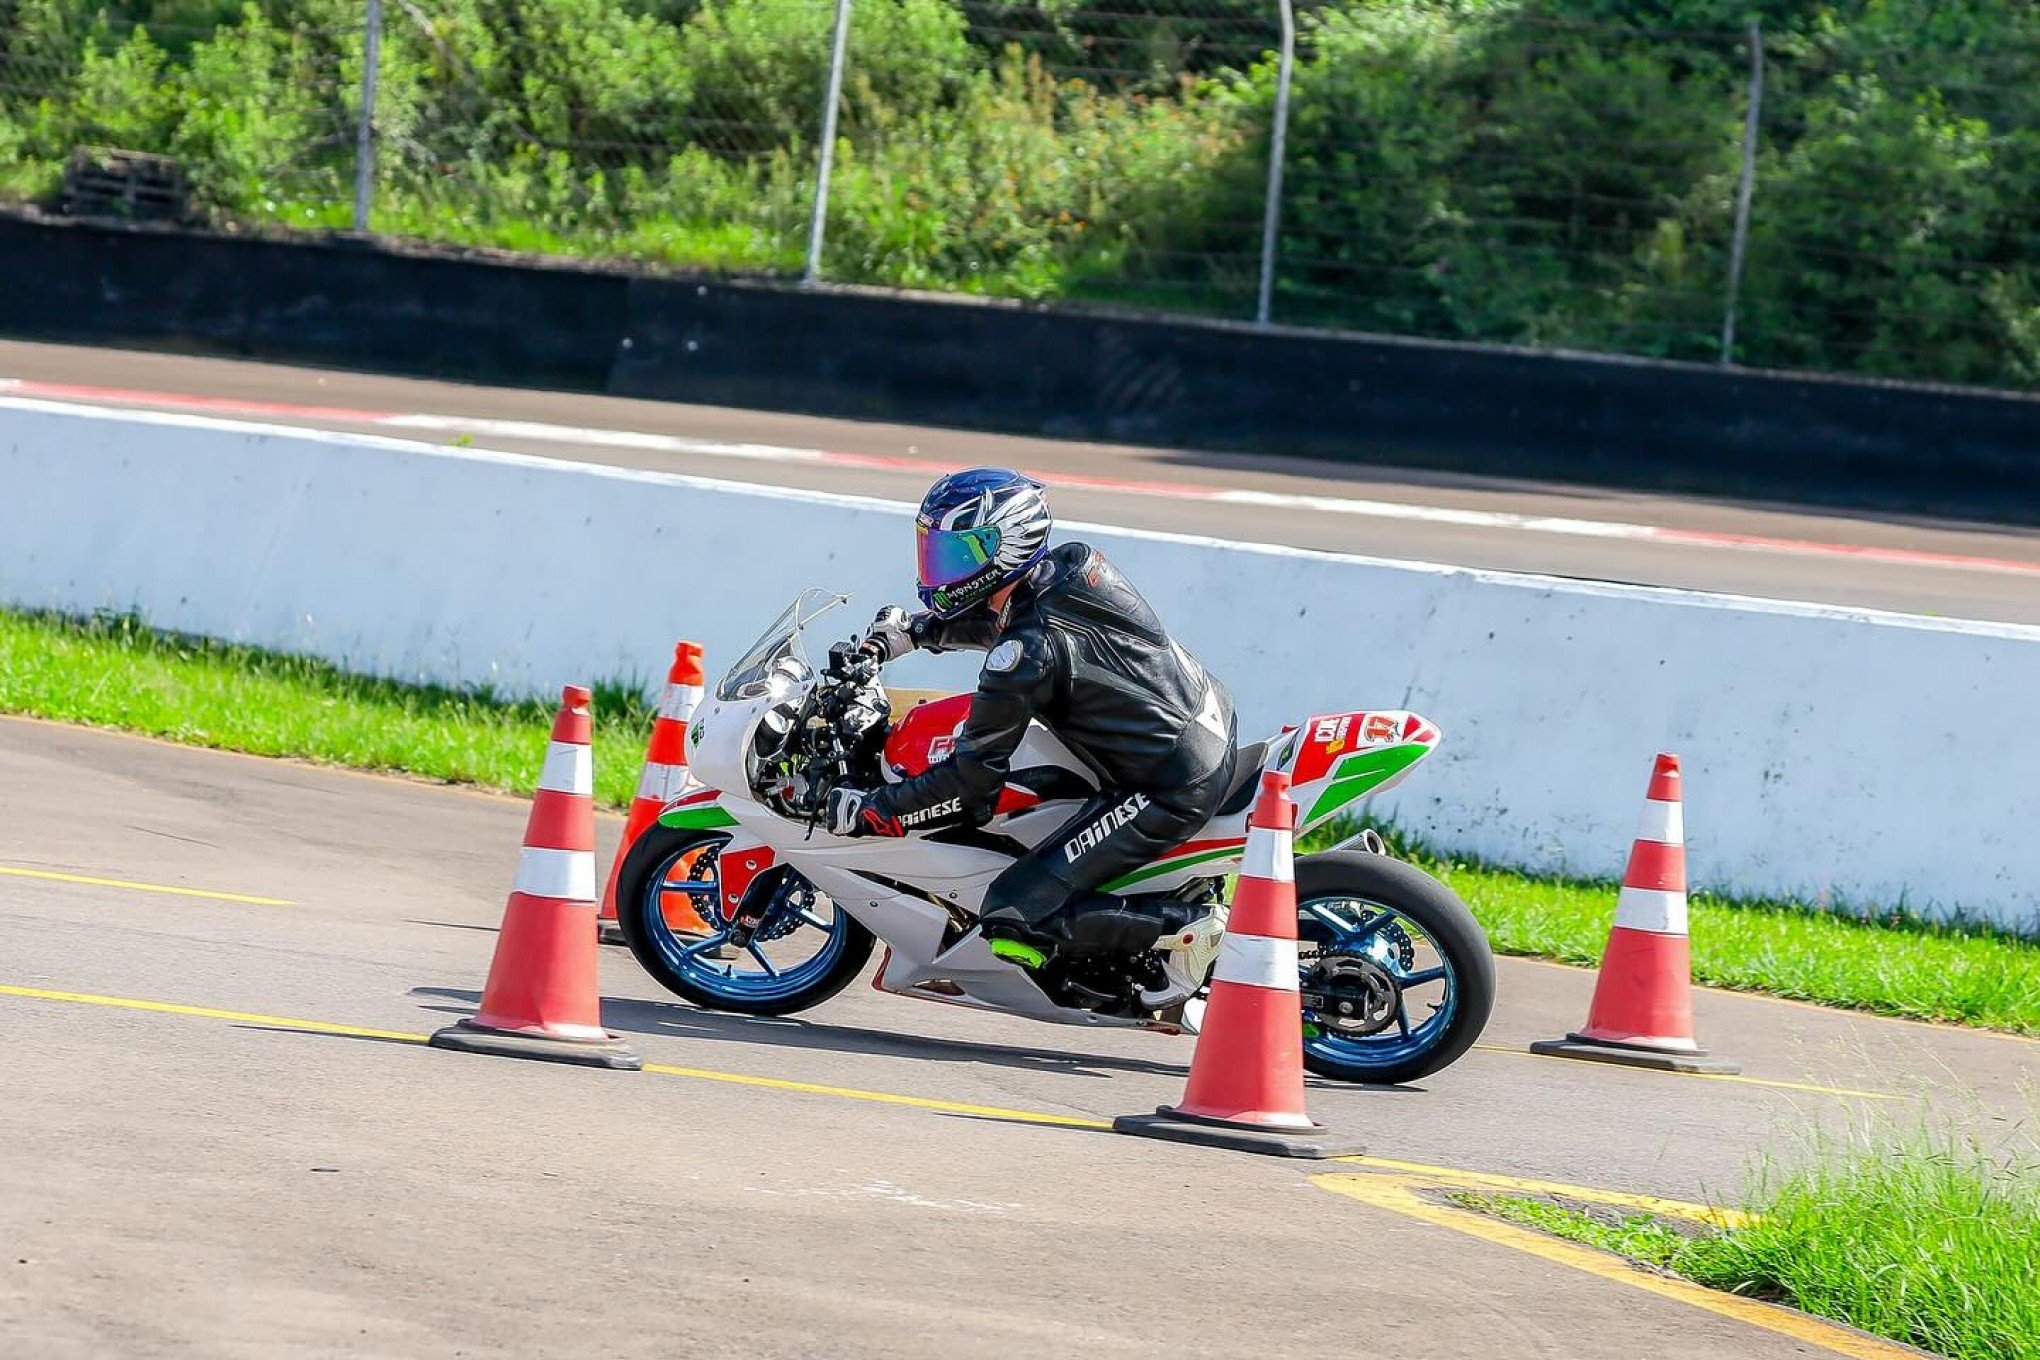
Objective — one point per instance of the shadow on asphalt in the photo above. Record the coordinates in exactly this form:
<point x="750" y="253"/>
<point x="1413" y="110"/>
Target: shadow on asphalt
<point x="679" y="1021"/>
<point x="686" y="1022"/>
<point x="331" y="1034"/>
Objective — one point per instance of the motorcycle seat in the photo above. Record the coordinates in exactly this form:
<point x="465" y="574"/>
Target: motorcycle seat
<point x="1246" y="779"/>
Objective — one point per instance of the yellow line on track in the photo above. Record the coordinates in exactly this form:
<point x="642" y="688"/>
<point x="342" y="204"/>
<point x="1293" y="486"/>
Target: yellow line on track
<point x="1485" y="1180"/>
<point x="127" y="1003"/>
<point x="145" y="887"/>
<point x="693" y="1073"/>
<point x="1398" y="1194"/>
<point x="1389" y="1184"/>
<point x="1846" y="1092"/>
<point x="882" y="1097"/>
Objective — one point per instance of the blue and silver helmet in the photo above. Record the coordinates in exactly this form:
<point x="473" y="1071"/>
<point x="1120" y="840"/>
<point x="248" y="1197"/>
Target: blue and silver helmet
<point x="978" y="530"/>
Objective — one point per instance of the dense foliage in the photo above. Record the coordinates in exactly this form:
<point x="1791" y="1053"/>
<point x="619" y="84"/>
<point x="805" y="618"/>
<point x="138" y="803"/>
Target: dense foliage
<point x="1551" y="172"/>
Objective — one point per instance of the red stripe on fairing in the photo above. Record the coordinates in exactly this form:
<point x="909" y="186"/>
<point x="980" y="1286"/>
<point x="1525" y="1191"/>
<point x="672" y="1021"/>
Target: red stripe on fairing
<point x="1197" y="847"/>
<point x="1013" y="799"/>
<point x="1655" y="866"/>
<point x="560" y="821"/>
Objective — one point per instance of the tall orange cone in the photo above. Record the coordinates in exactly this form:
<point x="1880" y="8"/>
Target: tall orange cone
<point x="664" y="778"/>
<point x="1642" y="1012"/>
<point x="541" y="999"/>
<point x="1246" y="1078"/>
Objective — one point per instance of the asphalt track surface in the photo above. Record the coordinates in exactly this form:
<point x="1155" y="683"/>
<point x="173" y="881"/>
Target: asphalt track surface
<point x="220" y="1136"/>
<point x="1892" y="562"/>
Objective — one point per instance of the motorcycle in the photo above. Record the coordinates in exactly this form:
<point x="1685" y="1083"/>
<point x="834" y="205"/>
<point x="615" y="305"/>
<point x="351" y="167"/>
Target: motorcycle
<point x="1396" y="977"/>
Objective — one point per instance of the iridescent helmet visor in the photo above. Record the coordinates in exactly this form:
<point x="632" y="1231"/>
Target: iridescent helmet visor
<point x="949" y="557"/>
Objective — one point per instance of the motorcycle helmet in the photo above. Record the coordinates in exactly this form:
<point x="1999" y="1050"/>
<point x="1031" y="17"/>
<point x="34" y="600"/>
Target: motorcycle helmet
<point x="978" y="530"/>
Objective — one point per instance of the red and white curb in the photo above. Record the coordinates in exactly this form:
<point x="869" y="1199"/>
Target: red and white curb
<point x="599" y="437"/>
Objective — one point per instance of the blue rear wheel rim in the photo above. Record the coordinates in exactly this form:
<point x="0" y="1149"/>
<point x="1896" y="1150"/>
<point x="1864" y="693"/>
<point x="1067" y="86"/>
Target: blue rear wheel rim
<point x="771" y="969"/>
<point x="1427" y="985"/>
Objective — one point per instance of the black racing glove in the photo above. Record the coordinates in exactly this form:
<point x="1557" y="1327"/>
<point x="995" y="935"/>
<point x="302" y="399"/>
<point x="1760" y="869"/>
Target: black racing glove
<point x="851" y="814"/>
<point x="891" y="635"/>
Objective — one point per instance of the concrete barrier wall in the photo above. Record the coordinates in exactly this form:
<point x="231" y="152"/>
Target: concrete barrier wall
<point x="1834" y="754"/>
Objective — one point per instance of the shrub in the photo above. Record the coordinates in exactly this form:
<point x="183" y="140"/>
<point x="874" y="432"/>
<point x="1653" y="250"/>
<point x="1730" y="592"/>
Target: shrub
<point x="1023" y="184"/>
<point x="1548" y="172"/>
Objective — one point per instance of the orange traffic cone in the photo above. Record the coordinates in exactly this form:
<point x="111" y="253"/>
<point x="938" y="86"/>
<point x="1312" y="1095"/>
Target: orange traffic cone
<point x="1246" y="1078"/>
<point x="541" y="999"/>
<point x="1642" y="1012"/>
<point x="664" y="778"/>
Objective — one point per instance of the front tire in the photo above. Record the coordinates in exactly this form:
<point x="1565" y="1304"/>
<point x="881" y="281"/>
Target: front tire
<point x="1392" y="912"/>
<point x="658" y="866"/>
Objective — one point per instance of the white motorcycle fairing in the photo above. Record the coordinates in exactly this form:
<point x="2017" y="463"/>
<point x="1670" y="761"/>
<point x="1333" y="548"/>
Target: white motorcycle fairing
<point x="919" y="895"/>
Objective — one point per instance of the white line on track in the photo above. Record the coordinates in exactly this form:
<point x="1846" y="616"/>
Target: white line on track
<point x="601" y="437"/>
<point x="593" y="437"/>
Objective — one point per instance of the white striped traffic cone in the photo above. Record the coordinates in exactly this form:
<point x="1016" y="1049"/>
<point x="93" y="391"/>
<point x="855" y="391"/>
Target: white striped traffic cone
<point x="541" y="999"/>
<point x="1642" y="1012"/>
<point x="1246" y="1078"/>
<point x="664" y="778"/>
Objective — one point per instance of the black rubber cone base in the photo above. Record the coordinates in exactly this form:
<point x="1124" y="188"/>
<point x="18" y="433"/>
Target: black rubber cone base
<point x="468" y="1037"/>
<point x="1657" y="1059"/>
<point x="1174" y="1126"/>
<point x="608" y="932"/>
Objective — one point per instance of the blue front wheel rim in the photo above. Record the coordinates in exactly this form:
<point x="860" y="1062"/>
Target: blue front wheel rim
<point x="769" y="969"/>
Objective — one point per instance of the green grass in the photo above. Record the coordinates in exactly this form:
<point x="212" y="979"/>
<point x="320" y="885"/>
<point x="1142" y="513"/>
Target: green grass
<point x="1890" y="962"/>
<point x="113" y="672"/>
<point x="1925" y="1239"/>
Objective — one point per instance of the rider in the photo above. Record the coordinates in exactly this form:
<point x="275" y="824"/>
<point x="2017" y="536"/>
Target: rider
<point x="1069" y="641"/>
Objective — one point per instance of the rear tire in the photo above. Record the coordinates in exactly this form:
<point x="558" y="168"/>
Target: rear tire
<point x="1435" y="910"/>
<point x="637" y="906"/>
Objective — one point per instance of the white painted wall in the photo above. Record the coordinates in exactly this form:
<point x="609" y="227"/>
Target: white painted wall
<point x="1829" y="752"/>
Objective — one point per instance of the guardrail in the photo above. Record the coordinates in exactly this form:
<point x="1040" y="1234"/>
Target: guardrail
<point x="1831" y="753"/>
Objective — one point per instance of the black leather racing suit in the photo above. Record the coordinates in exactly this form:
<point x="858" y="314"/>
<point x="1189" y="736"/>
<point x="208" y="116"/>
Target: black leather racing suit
<point x="1078" y="648"/>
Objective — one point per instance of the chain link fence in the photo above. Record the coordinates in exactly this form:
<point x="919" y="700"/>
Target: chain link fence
<point x="1853" y="193"/>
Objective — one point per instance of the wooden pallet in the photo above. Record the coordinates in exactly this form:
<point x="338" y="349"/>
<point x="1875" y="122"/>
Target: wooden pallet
<point x="132" y="185"/>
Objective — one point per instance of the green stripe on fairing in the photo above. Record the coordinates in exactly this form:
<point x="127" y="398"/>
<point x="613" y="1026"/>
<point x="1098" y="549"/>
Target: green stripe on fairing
<point x="1362" y="774"/>
<point x="703" y="818"/>
<point x="1169" y="866"/>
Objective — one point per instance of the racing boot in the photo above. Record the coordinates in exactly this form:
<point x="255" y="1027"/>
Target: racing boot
<point x="1186" y="956"/>
<point x="1014" y="938"/>
<point x="1089" y="925"/>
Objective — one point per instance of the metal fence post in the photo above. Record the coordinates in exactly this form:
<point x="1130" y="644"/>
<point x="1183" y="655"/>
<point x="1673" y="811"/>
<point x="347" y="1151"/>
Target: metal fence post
<point x="1744" y="191"/>
<point x="1271" y="218"/>
<point x="364" y="127"/>
<point x="819" y="221"/>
